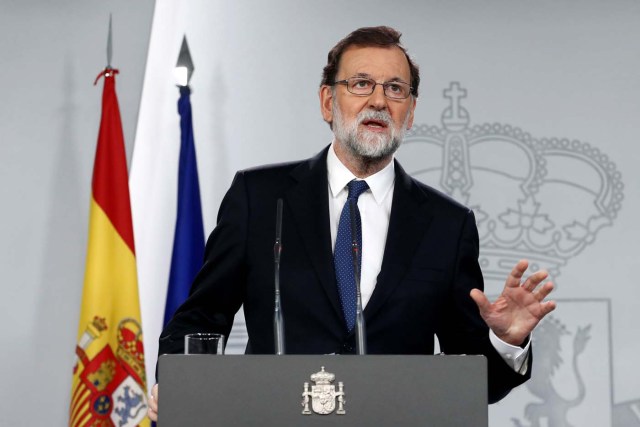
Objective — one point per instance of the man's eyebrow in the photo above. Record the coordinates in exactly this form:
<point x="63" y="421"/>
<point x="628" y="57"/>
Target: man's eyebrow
<point x="368" y="76"/>
<point x="364" y="75"/>
<point x="397" y="79"/>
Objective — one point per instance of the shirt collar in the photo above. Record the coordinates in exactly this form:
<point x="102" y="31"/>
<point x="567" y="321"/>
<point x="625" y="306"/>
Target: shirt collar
<point x="339" y="176"/>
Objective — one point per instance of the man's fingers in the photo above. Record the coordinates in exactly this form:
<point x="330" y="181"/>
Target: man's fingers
<point x="153" y="404"/>
<point x="481" y="300"/>
<point x="153" y="415"/>
<point x="516" y="274"/>
<point x="543" y="291"/>
<point x="154" y="395"/>
<point x="534" y="280"/>
<point x="547" y="307"/>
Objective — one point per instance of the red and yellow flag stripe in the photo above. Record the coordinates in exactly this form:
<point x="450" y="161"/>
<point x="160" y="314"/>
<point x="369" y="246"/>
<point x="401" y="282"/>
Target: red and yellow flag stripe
<point x="109" y="386"/>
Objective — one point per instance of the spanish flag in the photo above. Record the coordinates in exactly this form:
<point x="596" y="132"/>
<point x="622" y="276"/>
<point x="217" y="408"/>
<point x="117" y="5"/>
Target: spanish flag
<point x="109" y="386"/>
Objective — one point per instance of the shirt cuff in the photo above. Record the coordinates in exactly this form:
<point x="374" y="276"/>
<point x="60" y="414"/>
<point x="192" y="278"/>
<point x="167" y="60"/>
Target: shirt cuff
<point x="514" y="356"/>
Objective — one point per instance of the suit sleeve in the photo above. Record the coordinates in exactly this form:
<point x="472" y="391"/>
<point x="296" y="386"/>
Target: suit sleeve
<point x="219" y="288"/>
<point x="464" y="331"/>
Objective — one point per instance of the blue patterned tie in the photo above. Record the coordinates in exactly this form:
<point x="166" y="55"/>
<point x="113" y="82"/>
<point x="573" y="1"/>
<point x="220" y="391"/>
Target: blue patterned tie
<point x="342" y="255"/>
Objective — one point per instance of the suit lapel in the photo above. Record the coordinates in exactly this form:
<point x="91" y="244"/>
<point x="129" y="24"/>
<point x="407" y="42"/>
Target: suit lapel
<point x="408" y="222"/>
<point x="309" y="204"/>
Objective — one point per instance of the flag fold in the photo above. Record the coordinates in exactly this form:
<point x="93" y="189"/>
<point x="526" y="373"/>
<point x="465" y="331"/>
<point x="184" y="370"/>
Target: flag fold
<point x="188" y="242"/>
<point x="109" y="384"/>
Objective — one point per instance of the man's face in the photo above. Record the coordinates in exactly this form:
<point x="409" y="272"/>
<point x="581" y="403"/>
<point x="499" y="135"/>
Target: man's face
<point x="369" y="126"/>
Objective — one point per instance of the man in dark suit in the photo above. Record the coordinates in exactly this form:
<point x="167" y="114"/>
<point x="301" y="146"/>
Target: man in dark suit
<point x="420" y="275"/>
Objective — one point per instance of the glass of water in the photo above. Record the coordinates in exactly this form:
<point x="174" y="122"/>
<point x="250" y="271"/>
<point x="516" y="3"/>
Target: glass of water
<point x="204" y="343"/>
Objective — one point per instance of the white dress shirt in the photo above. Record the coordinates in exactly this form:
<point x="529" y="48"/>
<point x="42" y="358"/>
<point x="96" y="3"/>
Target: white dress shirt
<point x="375" y="208"/>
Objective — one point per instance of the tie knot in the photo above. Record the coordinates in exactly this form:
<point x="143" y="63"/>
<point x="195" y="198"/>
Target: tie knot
<point x="356" y="188"/>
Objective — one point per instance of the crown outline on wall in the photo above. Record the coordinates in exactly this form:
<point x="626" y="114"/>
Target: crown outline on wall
<point x="543" y="199"/>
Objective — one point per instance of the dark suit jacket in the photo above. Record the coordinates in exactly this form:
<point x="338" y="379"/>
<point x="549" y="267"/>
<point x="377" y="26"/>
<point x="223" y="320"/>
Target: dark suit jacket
<point x="430" y="264"/>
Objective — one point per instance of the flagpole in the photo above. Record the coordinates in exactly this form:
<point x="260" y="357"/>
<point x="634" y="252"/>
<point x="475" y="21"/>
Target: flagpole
<point x="109" y="44"/>
<point x="188" y="244"/>
<point x="109" y="326"/>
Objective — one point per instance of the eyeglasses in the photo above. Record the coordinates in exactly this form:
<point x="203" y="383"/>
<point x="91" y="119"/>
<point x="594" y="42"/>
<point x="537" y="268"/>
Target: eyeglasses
<point x="361" y="86"/>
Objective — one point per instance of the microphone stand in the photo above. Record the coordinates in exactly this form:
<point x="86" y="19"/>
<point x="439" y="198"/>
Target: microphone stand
<point x="278" y="320"/>
<point x="361" y="345"/>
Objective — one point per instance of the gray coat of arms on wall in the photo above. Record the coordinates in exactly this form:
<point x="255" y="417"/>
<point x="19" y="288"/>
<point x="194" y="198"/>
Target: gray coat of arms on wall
<point x="544" y="199"/>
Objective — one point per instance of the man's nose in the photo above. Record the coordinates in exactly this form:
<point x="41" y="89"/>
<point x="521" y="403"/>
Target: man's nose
<point x="377" y="99"/>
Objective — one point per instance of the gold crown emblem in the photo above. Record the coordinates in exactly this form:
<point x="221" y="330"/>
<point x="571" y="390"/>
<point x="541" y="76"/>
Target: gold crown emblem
<point x="130" y="346"/>
<point x="97" y="326"/>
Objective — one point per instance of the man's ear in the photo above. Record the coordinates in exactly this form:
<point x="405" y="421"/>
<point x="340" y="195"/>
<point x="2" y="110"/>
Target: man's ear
<point x="413" y="109"/>
<point x="326" y="103"/>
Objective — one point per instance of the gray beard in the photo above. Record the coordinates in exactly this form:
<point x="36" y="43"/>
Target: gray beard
<point x="365" y="144"/>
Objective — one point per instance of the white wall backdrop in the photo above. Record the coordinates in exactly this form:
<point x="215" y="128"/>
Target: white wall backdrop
<point x="544" y="144"/>
<point x="50" y="54"/>
<point x="537" y="131"/>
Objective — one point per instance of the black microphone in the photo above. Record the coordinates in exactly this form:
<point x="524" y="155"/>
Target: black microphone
<point x="361" y="335"/>
<point x="278" y="320"/>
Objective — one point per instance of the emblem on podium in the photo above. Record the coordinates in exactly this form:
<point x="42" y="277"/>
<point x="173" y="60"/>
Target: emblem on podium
<point x="323" y="395"/>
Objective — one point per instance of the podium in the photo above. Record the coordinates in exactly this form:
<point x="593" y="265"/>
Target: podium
<point x="266" y="390"/>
